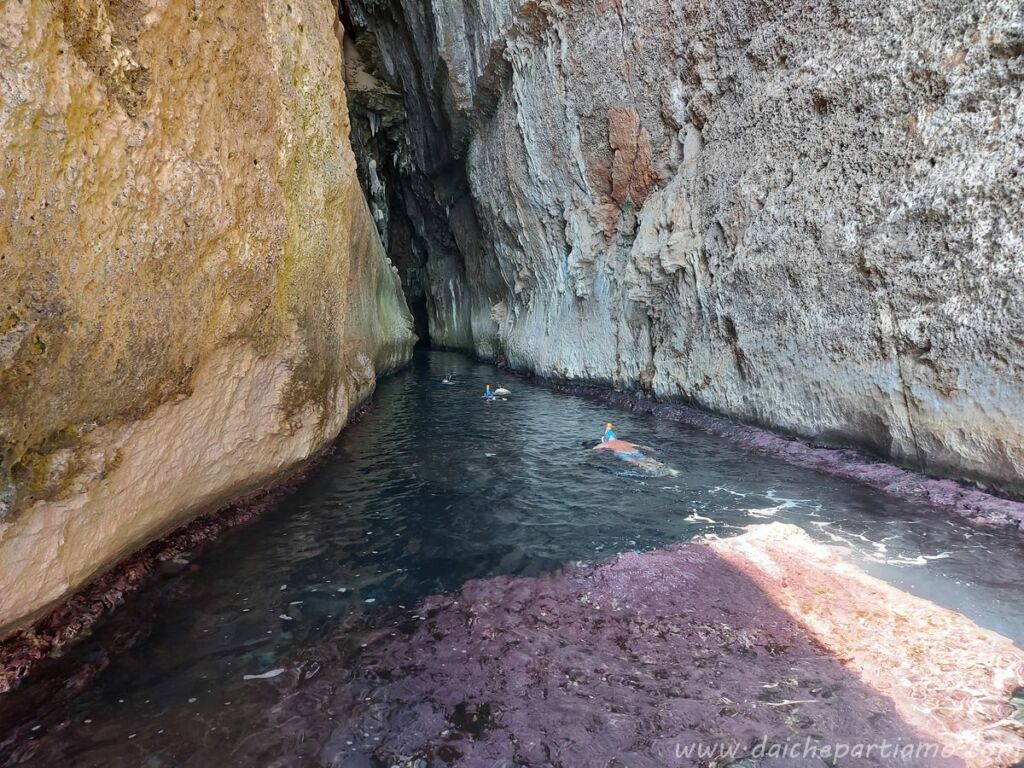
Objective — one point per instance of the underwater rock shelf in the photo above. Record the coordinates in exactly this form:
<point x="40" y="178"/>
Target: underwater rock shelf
<point x="696" y="647"/>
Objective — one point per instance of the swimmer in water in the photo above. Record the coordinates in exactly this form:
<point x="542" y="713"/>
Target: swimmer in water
<point x="630" y="452"/>
<point x="449" y="379"/>
<point x="488" y="395"/>
<point x="610" y="441"/>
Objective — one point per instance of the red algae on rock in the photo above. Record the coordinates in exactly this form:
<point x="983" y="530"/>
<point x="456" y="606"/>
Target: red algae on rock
<point x="947" y="677"/>
<point x="696" y="656"/>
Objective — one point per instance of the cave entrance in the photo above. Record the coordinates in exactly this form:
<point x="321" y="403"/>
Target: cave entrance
<point x="411" y="165"/>
<point x="420" y="318"/>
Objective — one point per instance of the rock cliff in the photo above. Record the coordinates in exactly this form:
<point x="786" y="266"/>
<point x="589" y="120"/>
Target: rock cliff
<point x="192" y="293"/>
<point x="806" y="216"/>
<point x="802" y="216"/>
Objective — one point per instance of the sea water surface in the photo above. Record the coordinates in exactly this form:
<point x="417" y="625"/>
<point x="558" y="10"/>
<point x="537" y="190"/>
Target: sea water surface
<point x="432" y="488"/>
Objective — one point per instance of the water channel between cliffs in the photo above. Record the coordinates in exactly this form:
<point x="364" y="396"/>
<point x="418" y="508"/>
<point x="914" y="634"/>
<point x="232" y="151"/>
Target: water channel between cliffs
<point x="253" y="651"/>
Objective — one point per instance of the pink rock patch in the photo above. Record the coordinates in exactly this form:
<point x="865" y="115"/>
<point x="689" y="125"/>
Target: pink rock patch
<point x="651" y="658"/>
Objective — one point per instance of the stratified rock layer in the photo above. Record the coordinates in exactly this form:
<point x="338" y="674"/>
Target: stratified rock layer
<point x="192" y="293"/>
<point x="756" y="644"/>
<point x="804" y="216"/>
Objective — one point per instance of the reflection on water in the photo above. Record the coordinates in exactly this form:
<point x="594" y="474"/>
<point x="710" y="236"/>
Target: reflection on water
<point x="432" y="488"/>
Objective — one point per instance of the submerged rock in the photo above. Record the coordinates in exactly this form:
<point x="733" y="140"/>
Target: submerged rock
<point x="947" y="677"/>
<point x="747" y="646"/>
<point x="192" y="293"/>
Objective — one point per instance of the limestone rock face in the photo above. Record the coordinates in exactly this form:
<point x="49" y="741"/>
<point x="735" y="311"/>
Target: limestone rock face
<point x="192" y="293"/>
<point x="807" y="217"/>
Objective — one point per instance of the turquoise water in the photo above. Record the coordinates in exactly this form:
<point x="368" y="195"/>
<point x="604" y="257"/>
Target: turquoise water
<point x="432" y="488"/>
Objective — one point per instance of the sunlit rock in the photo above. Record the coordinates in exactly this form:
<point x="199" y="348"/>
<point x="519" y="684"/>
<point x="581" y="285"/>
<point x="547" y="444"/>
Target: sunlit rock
<point x="192" y="293"/>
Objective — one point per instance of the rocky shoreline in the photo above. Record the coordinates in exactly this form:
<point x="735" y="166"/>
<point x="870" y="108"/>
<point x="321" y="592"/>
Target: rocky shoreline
<point x="20" y="652"/>
<point x="757" y="643"/>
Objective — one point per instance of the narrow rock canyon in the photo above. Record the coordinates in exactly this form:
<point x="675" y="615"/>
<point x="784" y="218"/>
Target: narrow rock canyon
<point x="781" y="245"/>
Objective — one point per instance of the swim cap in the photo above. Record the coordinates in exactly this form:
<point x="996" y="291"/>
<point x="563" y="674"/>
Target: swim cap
<point x="608" y="425"/>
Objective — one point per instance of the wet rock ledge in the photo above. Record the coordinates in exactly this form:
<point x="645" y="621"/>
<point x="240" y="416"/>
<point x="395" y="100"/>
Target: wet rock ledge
<point x="753" y="644"/>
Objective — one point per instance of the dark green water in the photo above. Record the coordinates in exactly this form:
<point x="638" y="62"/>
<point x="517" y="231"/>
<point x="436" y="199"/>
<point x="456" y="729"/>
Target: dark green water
<point x="432" y="488"/>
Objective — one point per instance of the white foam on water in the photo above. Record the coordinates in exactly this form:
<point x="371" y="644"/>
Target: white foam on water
<point x="719" y="488"/>
<point x="264" y="676"/>
<point x="695" y="518"/>
<point x="787" y="503"/>
<point x="902" y="560"/>
<point x="879" y="550"/>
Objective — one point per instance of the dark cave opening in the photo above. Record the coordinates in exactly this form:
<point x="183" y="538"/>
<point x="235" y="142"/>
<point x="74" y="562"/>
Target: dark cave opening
<point x="420" y="323"/>
<point x="410" y="148"/>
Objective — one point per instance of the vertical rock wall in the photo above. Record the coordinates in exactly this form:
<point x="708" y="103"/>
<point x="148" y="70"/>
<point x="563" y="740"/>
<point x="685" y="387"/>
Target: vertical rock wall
<point x="192" y="293"/>
<point x="805" y="216"/>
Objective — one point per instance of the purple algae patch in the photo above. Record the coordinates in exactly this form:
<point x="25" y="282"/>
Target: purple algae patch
<point x="629" y="663"/>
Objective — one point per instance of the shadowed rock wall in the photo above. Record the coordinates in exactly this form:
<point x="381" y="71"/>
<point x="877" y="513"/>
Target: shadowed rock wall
<point x="192" y="294"/>
<point x="803" y="216"/>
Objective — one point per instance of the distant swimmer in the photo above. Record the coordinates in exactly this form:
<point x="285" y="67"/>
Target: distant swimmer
<point x="609" y="433"/>
<point x="488" y="395"/>
<point x="449" y="379"/>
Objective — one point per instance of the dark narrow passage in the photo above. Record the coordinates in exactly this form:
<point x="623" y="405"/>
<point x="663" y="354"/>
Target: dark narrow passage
<point x="378" y="118"/>
<point x="411" y="161"/>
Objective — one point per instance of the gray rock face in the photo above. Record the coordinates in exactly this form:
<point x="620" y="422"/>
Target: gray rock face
<point x="805" y="216"/>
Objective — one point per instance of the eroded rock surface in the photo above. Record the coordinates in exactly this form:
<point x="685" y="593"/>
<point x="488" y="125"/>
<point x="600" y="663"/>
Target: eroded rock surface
<point x="808" y="217"/>
<point x="192" y="294"/>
